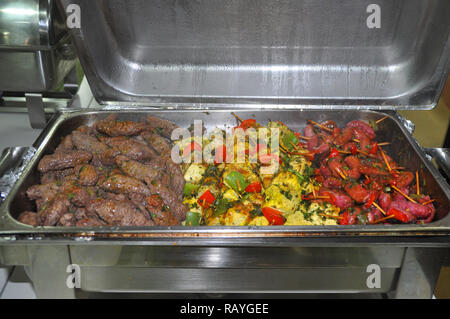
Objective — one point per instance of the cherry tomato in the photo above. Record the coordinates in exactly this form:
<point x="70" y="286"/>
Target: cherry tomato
<point x="399" y="215"/>
<point x="334" y="153"/>
<point x="246" y="124"/>
<point x="274" y="216"/>
<point x="254" y="187"/>
<point x="370" y="200"/>
<point x="332" y="199"/>
<point x="374" y="149"/>
<point x="353" y="149"/>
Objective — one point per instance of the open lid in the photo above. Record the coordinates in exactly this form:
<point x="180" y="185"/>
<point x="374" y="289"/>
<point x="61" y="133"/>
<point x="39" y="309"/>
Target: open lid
<point x="315" y="53"/>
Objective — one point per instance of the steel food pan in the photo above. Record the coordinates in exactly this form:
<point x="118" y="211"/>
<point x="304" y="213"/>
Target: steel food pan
<point x="403" y="148"/>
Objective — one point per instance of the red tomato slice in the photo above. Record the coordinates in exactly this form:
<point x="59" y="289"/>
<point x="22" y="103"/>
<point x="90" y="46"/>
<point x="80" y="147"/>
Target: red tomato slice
<point x="254" y="187"/>
<point x="274" y="216"/>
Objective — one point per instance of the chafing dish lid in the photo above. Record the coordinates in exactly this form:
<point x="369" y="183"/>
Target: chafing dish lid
<point x="315" y="53"/>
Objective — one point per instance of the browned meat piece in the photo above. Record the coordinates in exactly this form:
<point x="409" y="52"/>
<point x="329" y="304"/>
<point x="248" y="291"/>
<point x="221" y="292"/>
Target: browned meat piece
<point x="87" y="174"/>
<point x="130" y="147"/>
<point x="112" y="127"/>
<point x="67" y="220"/>
<point x="68" y="189"/>
<point x="66" y="145"/>
<point x="63" y="160"/>
<point x="158" y="143"/>
<point x="88" y="130"/>
<point x="52" y="212"/>
<point x="137" y="170"/>
<point x="90" y="222"/>
<point x="29" y="218"/>
<point x="118" y="213"/>
<point x="160" y="126"/>
<point x="171" y="199"/>
<point x="155" y="208"/>
<point x="44" y="192"/>
<point x="80" y="197"/>
<point x="80" y="213"/>
<point x="107" y="195"/>
<point x="176" y="176"/>
<point x="118" y="183"/>
<point x="173" y="177"/>
<point x="99" y="150"/>
<point x="54" y="176"/>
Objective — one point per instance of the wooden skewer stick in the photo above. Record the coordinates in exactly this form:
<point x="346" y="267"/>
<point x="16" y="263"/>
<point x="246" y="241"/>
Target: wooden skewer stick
<point x="356" y="140"/>
<point x="303" y="137"/>
<point x="237" y="117"/>
<point x="406" y="196"/>
<point x="362" y="152"/>
<point x="379" y="208"/>
<point x="385" y="159"/>
<point x="383" y="219"/>
<point x="341" y="174"/>
<point x="293" y="145"/>
<point x="384" y="143"/>
<point x="344" y="152"/>
<point x="417" y="183"/>
<point x="428" y="202"/>
<point x="382" y="119"/>
<point x="321" y="126"/>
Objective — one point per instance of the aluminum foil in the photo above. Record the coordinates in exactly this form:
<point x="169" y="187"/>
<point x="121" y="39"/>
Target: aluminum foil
<point x="11" y="176"/>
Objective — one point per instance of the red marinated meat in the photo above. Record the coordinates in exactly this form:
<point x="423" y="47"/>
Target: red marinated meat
<point x="362" y="126"/>
<point x="342" y="200"/>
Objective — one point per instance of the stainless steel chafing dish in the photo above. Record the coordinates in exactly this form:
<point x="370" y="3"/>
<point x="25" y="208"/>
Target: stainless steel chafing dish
<point x="35" y="49"/>
<point x="286" y="60"/>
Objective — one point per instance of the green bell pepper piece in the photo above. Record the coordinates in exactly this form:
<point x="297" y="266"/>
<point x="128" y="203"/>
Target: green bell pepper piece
<point x="192" y="219"/>
<point x="232" y="178"/>
<point x="190" y="189"/>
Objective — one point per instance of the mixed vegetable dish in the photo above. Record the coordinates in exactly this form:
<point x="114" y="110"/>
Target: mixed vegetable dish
<point x="325" y="176"/>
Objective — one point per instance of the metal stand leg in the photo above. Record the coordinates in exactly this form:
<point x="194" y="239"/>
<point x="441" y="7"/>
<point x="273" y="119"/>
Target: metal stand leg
<point x="47" y="270"/>
<point x="36" y="110"/>
<point x="420" y="272"/>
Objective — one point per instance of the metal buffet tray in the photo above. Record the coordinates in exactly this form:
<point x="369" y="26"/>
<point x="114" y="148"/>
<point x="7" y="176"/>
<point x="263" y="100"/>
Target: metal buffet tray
<point x="291" y="60"/>
<point x="303" y="259"/>
<point x="403" y="148"/>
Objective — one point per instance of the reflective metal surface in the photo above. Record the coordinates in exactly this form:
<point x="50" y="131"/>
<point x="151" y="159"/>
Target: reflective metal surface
<point x="35" y="50"/>
<point x="308" y="53"/>
<point x="403" y="149"/>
